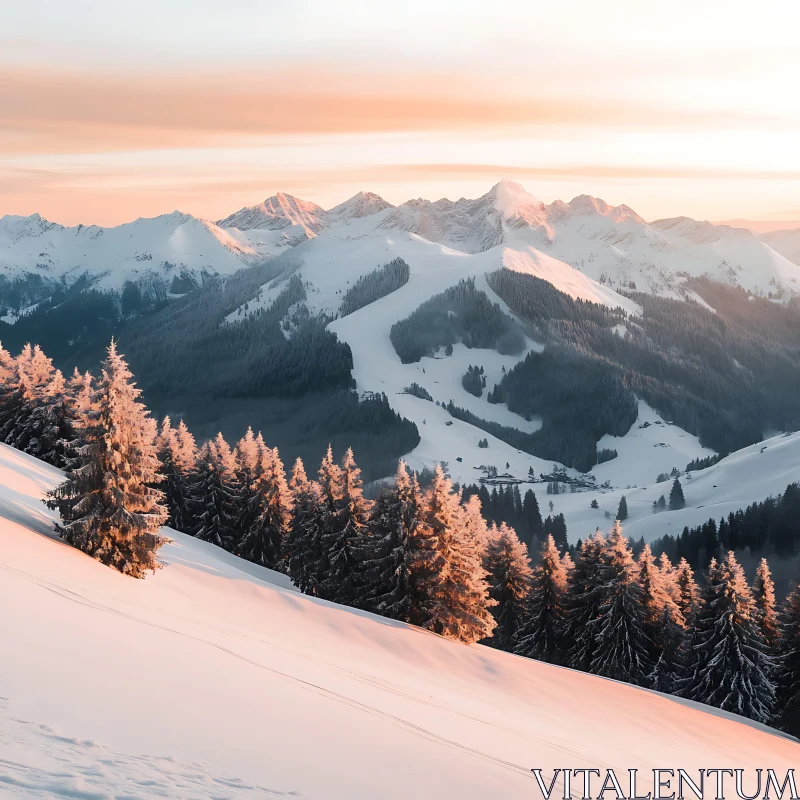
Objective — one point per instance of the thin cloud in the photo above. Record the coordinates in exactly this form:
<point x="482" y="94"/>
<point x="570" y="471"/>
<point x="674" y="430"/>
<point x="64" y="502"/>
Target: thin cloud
<point x="579" y="171"/>
<point x="62" y="112"/>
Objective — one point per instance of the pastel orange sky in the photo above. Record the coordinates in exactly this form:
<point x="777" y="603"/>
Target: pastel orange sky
<point x="113" y="111"/>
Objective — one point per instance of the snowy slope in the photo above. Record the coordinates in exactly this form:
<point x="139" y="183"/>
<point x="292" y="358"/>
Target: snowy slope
<point x="212" y="678"/>
<point x="744" y="477"/>
<point x="785" y="242"/>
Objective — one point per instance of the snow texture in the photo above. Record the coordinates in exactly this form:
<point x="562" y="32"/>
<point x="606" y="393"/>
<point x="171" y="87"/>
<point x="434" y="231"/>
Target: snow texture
<point x="214" y="679"/>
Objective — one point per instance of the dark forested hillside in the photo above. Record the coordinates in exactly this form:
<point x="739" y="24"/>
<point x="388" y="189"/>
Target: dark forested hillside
<point x="726" y="382"/>
<point x="459" y="314"/>
<point x="378" y="283"/>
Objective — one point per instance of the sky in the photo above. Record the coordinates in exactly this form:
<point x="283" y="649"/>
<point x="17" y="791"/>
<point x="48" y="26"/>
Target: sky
<point x="112" y="111"/>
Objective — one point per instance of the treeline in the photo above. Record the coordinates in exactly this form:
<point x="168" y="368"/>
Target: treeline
<point x="425" y="557"/>
<point x="766" y="528"/>
<point x="461" y="313"/>
<point x="647" y="622"/>
<point x="522" y="513"/>
<point x="715" y="376"/>
<point x="703" y="463"/>
<point x="375" y="285"/>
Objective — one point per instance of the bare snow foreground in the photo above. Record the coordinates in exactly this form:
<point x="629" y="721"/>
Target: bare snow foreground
<point x="214" y="679"/>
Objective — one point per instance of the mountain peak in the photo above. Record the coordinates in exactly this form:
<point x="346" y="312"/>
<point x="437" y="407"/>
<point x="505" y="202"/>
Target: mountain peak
<point x="514" y="203"/>
<point x="363" y="204"/>
<point x="279" y="211"/>
<point x="34" y="224"/>
<point x="586" y="204"/>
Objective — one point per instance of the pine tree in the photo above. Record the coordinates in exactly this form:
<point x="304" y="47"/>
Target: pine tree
<point x="669" y="579"/>
<point x="541" y="634"/>
<point x="108" y="506"/>
<point x="248" y="455"/>
<point x="385" y="563"/>
<point x="506" y="561"/>
<point x="301" y="548"/>
<point x="177" y="452"/>
<point x="789" y="669"/>
<point x="733" y="672"/>
<point x="22" y="411"/>
<point x="346" y="523"/>
<point x="703" y="623"/>
<point x="663" y="621"/>
<point x="583" y="603"/>
<point x="676" y="499"/>
<point x="450" y="593"/>
<point x="689" y="593"/>
<point x="213" y="495"/>
<point x="51" y="427"/>
<point x="263" y="541"/>
<point x="622" y="511"/>
<point x="81" y="392"/>
<point x="764" y="596"/>
<point x="623" y="647"/>
<point x="532" y="516"/>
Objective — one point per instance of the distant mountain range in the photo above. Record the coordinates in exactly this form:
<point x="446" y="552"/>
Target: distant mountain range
<point x="609" y="245"/>
<point x="274" y="314"/>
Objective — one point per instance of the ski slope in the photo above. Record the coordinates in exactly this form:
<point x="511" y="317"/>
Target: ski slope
<point x="214" y="679"/>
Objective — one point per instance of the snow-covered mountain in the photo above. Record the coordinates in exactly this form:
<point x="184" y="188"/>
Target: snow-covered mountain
<point x="162" y="247"/>
<point x="277" y="213"/>
<point x="610" y="245"/>
<point x="214" y="678"/>
<point x="785" y="242"/>
<point x="585" y="248"/>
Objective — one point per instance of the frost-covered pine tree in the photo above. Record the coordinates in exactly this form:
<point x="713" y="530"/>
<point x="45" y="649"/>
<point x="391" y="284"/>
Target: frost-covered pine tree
<point x="301" y="548"/>
<point x="583" y="603"/>
<point x="52" y="429"/>
<point x="623" y="648"/>
<point x="384" y="558"/>
<point x="456" y="601"/>
<point x="248" y="457"/>
<point x="733" y="673"/>
<point x="541" y="634"/>
<point x="177" y="452"/>
<point x="688" y="592"/>
<point x="669" y="579"/>
<point x="345" y="519"/>
<point x="764" y="596"/>
<point x="8" y="370"/>
<point x="108" y="506"/>
<point x="702" y="623"/>
<point x="789" y="664"/>
<point x="663" y="621"/>
<point x="22" y="413"/>
<point x="667" y="672"/>
<point x="213" y="494"/>
<point x="79" y="388"/>
<point x="506" y="560"/>
<point x="263" y="541"/>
